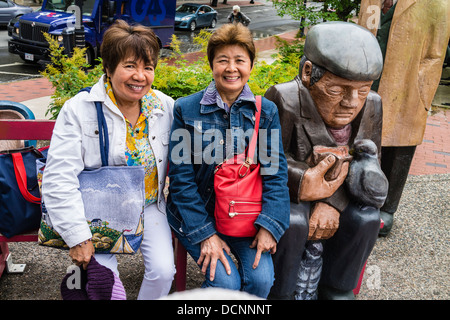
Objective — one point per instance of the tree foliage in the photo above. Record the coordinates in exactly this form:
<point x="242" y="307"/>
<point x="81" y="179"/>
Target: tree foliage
<point x="310" y="14"/>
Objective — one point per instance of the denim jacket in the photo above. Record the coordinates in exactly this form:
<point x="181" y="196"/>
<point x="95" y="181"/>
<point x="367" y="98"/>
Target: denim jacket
<point x="199" y="142"/>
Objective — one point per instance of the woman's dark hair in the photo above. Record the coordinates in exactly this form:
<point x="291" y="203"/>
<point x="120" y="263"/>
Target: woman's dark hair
<point x="122" y="40"/>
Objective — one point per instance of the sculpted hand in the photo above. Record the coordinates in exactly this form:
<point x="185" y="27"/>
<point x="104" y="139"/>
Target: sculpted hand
<point x="315" y="187"/>
<point x="264" y="242"/>
<point x="211" y="251"/>
<point x="324" y="222"/>
<point x="81" y="255"/>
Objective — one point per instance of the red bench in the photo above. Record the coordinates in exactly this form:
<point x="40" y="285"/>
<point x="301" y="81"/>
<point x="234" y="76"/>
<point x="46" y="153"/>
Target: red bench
<point x="42" y="130"/>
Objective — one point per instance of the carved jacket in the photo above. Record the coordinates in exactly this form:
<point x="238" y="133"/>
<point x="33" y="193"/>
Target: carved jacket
<point x="303" y="128"/>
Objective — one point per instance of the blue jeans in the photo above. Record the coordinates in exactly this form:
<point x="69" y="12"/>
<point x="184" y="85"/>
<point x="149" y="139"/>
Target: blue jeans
<point x="244" y="278"/>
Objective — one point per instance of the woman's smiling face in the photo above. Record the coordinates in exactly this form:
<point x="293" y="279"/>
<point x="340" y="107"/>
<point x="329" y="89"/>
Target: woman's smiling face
<point x="231" y="69"/>
<point x="131" y="80"/>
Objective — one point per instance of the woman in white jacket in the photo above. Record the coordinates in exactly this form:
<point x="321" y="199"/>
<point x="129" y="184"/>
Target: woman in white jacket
<point x="139" y="121"/>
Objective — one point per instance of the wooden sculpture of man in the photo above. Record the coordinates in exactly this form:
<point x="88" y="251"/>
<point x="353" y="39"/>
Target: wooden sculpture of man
<point x="324" y="111"/>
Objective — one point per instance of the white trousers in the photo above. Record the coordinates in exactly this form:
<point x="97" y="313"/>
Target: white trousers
<point x="157" y="251"/>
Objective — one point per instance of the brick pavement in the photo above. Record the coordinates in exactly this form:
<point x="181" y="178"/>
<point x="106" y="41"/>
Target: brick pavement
<point x="24" y="90"/>
<point x="433" y="155"/>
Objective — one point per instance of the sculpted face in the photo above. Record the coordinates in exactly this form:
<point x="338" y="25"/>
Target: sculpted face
<point x="338" y="100"/>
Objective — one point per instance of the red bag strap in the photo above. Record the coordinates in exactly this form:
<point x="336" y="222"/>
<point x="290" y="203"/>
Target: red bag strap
<point x="252" y="145"/>
<point x="21" y="178"/>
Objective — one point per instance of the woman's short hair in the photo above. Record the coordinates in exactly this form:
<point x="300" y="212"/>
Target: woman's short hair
<point x="122" y="40"/>
<point x="231" y="34"/>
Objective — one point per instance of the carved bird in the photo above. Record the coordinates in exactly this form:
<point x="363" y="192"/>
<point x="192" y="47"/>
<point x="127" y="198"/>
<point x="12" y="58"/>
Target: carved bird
<point x="365" y="181"/>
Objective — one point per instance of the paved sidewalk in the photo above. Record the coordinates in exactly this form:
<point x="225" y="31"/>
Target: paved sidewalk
<point x="411" y="263"/>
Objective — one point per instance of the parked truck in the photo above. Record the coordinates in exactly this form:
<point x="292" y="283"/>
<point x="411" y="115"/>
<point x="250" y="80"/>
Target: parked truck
<point x="83" y="22"/>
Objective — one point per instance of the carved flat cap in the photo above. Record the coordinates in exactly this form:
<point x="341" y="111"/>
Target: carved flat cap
<point x="345" y="49"/>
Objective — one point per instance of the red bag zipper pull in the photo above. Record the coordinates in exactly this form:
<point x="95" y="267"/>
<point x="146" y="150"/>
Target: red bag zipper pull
<point x="231" y="211"/>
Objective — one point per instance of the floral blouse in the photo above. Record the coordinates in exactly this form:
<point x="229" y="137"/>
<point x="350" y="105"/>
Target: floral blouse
<point x="138" y="151"/>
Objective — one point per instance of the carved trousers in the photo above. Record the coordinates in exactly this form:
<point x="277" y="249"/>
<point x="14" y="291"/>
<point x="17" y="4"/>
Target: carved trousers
<point x="344" y="254"/>
<point x="395" y="163"/>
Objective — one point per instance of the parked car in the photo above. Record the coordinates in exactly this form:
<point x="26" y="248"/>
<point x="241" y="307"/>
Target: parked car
<point x="10" y="10"/>
<point x="192" y="15"/>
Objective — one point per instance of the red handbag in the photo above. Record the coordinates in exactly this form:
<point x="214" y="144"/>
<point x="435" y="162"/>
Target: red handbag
<point x="238" y="189"/>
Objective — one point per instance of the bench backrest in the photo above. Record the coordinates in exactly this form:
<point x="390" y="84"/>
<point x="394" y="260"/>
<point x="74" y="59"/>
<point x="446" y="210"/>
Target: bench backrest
<point x="26" y="129"/>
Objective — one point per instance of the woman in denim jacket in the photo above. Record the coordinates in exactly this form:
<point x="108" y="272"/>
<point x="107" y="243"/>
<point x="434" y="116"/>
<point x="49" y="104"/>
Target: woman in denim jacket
<point x="208" y="127"/>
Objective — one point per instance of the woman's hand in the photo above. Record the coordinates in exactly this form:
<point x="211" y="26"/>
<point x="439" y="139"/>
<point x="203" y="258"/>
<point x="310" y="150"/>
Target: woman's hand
<point x="81" y="254"/>
<point x="264" y="242"/>
<point x="211" y="251"/>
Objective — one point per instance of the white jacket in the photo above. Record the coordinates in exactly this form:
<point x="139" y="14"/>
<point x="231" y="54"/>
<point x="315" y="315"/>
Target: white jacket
<point x="75" y="146"/>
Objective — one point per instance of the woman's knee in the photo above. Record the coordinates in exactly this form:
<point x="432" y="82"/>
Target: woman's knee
<point x="223" y="280"/>
<point x="159" y="265"/>
<point x="259" y="285"/>
<point x="260" y="280"/>
<point x="162" y="269"/>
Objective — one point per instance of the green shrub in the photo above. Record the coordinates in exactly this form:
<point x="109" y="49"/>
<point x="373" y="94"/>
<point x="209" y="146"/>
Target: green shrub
<point x="283" y="69"/>
<point x="67" y="75"/>
<point x="264" y="76"/>
<point x="176" y="77"/>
